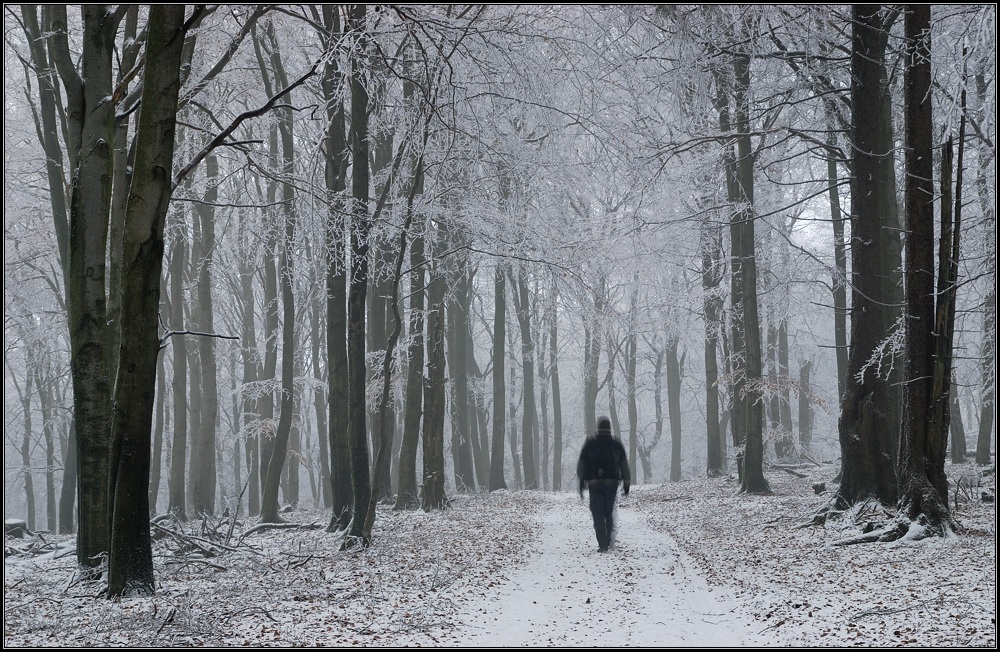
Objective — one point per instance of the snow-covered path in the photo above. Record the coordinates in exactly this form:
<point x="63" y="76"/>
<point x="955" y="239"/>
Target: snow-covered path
<point x="644" y="592"/>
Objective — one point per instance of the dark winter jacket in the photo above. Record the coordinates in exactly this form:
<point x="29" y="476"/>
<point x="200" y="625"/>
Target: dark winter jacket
<point x="603" y="460"/>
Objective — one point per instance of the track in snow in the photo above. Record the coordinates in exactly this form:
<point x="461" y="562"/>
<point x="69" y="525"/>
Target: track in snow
<point x="643" y="592"/>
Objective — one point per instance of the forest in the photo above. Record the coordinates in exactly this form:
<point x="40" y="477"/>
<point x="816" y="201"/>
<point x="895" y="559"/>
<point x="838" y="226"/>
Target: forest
<point x="269" y="258"/>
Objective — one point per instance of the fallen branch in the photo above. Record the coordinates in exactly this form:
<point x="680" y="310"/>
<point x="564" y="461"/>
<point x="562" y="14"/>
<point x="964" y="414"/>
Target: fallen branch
<point x="262" y="527"/>
<point x="195" y="560"/>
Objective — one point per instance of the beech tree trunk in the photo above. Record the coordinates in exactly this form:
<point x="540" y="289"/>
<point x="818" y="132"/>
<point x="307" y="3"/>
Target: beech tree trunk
<point x="336" y="286"/>
<point x="130" y="562"/>
<point x="923" y="485"/>
<point x="358" y="282"/>
<point x="865" y="429"/>
<point x="279" y="450"/>
<point x="89" y="134"/>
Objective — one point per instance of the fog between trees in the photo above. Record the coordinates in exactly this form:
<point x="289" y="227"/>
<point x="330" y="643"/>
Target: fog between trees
<point x="260" y="257"/>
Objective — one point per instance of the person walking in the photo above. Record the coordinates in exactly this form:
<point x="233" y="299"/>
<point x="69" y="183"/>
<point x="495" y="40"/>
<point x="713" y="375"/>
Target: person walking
<point x="603" y="465"/>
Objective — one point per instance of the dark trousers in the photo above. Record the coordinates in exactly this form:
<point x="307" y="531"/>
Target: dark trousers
<point x="602" y="506"/>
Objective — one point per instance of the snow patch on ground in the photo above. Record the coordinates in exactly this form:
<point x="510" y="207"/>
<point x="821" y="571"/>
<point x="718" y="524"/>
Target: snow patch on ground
<point x="693" y="565"/>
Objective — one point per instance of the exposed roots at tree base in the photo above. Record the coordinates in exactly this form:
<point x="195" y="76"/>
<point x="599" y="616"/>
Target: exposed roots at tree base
<point x="902" y="528"/>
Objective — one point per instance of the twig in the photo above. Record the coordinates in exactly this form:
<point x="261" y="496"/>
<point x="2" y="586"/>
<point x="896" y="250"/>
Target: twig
<point x="239" y="500"/>
<point x="195" y="560"/>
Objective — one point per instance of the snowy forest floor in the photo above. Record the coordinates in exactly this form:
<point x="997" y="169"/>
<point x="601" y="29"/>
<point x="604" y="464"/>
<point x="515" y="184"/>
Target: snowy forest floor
<point x="693" y="565"/>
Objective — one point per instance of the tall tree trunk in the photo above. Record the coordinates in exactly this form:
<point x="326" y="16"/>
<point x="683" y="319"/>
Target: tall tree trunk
<point x="477" y="412"/>
<point x="433" y="494"/>
<point x="784" y="393"/>
<point x="923" y="485"/>
<point x="712" y="273"/>
<point x="44" y="378"/>
<point x="840" y="279"/>
<point x="29" y="481"/>
<point x="748" y="421"/>
<point x="130" y="562"/>
<point x="203" y="467"/>
<point x="382" y="259"/>
<point x="252" y="426"/>
<point x="407" y="494"/>
<point x="48" y="100"/>
<point x="512" y="403"/>
<point x="177" y="503"/>
<point x="195" y="400"/>
<point x="497" y="480"/>
<point x="773" y="407"/>
<point x="645" y="451"/>
<point x="557" y="426"/>
<point x="866" y="438"/>
<point x="675" y="372"/>
<point x="90" y="132"/>
<point x="336" y="285"/>
<point x="529" y="416"/>
<point x="457" y="337"/>
<point x="279" y="450"/>
<point x="317" y="307"/>
<point x="591" y="360"/>
<point x="630" y="366"/>
<point x="986" y="188"/>
<point x="358" y="283"/>
<point x="122" y="178"/>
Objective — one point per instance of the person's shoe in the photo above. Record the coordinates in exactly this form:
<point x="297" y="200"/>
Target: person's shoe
<point x="602" y="549"/>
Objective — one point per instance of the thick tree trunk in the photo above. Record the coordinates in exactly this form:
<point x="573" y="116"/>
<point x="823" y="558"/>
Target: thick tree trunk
<point x="279" y="450"/>
<point x="923" y="485"/>
<point x="866" y="433"/>
<point x="130" y="562"/>
<point x="336" y="286"/>
<point x="748" y="421"/>
<point x="90" y="132"/>
<point x="358" y="282"/>
<point x="122" y="178"/>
